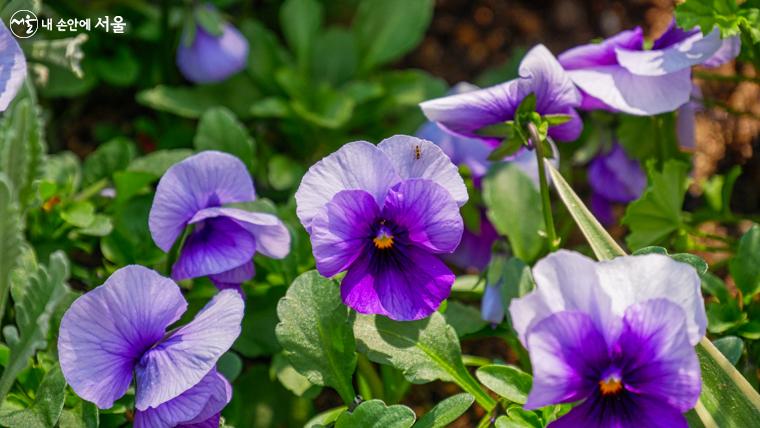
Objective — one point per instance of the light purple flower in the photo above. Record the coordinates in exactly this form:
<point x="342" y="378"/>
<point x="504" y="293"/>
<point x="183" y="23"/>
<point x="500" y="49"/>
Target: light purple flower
<point x="211" y="58"/>
<point x="119" y="331"/>
<point x="491" y="309"/>
<point x="12" y="67"/>
<point x="224" y="239"/>
<point x="540" y="73"/>
<point x="617" y="335"/>
<point x="614" y="178"/>
<point x="686" y="120"/>
<point x="618" y="74"/>
<point x="382" y="214"/>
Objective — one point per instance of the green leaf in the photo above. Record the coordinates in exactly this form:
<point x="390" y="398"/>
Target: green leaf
<point x="46" y="288"/>
<point x="108" y="158"/>
<point x="83" y="415"/>
<point x="527" y="106"/>
<point x="122" y="68"/>
<point x="283" y="172"/>
<point x="515" y="278"/>
<point x="11" y="238"/>
<point x="727" y="399"/>
<point x="315" y="334"/>
<point x="220" y="130"/>
<point x="289" y="377"/>
<point x="324" y="107"/>
<point x="46" y="408"/>
<point x="65" y="170"/>
<point x="79" y="214"/>
<point x="387" y="29"/>
<point x="507" y="381"/>
<point x="507" y="422"/>
<point x="603" y="245"/>
<point x="514" y="207"/>
<point x="556" y="119"/>
<point x="508" y="147"/>
<point x="334" y="57"/>
<point x="503" y="130"/>
<point x="707" y="14"/>
<point x="325" y="418"/>
<point x="657" y="213"/>
<point x="156" y="163"/>
<point x="265" y="56"/>
<point x="209" y="19"/>
<point x="731" y="347"/>
<point x="375" y="414"/>
<point x="101" y="226"/>
<point x="424" y="350"/>
<point x="690" y="259"/>
<point x="301" y="21"/>
<point x="446" y="412"/>
<point x="22" y="147"/>
<point x="230" y="365"/>
<point x="464" y="318"/>
<point x="130" y="183"/>
<point x="745" y="266"/>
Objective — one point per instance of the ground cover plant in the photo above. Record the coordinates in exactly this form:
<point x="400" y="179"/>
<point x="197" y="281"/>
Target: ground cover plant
<point x="268" y="214"/>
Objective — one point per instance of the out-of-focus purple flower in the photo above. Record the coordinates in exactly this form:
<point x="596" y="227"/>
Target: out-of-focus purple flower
<point x="119" y="331"/>
<point x="224" y="239"/>
<point x="383" y="214"/>
<point x="686" y="120"/>
<point x="618" y="74"/>
<point x="617" y="335"/>
<point x="12" y="67"/>
<point x="540" y="73"/>
<point x="614" y="178"/>
<point x="491" y="309"/>
<point x="212" y="58"/>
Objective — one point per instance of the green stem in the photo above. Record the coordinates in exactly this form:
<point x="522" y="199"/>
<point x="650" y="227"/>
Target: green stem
<point x="546" y="203"/>
<point x="92" y="190"/>
<point x="475" y="361"/>
<point x="368" y="372"/>
<point x="470" y="385"/>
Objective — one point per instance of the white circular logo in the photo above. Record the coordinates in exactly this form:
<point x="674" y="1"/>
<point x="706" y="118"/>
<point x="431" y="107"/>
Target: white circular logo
<point x="24" y="24"/>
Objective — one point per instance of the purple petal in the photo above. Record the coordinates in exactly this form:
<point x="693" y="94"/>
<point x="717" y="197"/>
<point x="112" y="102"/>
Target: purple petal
<point x="213" y="58"/>
<point x="427" y="212"/>
<point x="629" y="412"/>
<point x="212" y="422"/>
<point x="554" y="90"/>
<point x="185" y="357"/>
<point x="12" y="67"/>
<point x="409" y="287"/>
<point x="729" y="49"/>
<point x="472" y="152"/>
<point x="602" y="209"/>
<point x="215" y="246"/>
<point x="570" y="130"/>
<point x="640" y="95"/>
<point x="491" y="309"/>
<point x="672" y="35"/>
<point x="106" y="330"/>
<point x="568" y="353"/>
<point x="200" y="181"/>
<point x="356" y="166"/>
<point x="272" y="237"/>
<point x="659" y="360"/>
<point x="342" y="229"/>
<point x="235" y="276"/>
<point x="565" y="280"/>
<point x="198" y="404"/>
<point x="599" y="54"/>
<point x="685" y="124"/>
<point x="474" y="251"/>
<point x="431" y="164"/>
<point x="617" y="177"/>
<point x="634" y="279"/>
<point x="693" y="50"/>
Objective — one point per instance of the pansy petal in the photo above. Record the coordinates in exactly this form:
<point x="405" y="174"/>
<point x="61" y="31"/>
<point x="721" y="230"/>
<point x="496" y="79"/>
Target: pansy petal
<point x="204" y="180"/>
<point x="474" y="250"/>
<point x="597" y="54"/>
<point x="682" y="55"/>
<point x="106" y="330"/>
<point x="427" y="212"/>
<point x="660" y="363"/>
<point x="416" y="158"/>
<point x="197" y="404"/>
<point x="211" y="58"/>
<point x="565" y="280"/>
<point x="634" y="279"/>
<point x="409" y="286"/>
<point x="567" y="353"/>
<point x="629" y="93"/>
<point x="12" y="67"/>
<point x="570" y="130"/>
<point x="616" y="176"/>
<point x="184" y="358"/>
<point x="212" y="422"/>
<point x="472" y="152"/>
<point x="356" y="166"/>
<point x="629" y="412"/>
<point x="215" y="246"/>
<point x="729" y="49"/>
<point x="236" y="275"/>
<point x="542" y="75"/>
<point x="272" y="237"/>
<point x="342" y="229"/>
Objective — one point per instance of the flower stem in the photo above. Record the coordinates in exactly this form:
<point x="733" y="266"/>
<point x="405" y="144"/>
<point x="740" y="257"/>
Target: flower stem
<point x="546" y="203"/>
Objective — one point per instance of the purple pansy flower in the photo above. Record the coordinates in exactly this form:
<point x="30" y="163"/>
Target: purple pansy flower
<point x="210" y="58"/>
<point x="614" y="178"/>
<point x="12" y="67"/>
<point x="617" y="335"/>
<point x="540" y="73"/>
<point x="119" y="330"/>
<point x="618" y="74"/>
<point x="194" y="193"/>
<point x="382" y="214"/>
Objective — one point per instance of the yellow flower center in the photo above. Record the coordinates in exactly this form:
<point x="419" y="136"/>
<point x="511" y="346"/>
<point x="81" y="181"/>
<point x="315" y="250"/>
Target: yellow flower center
<point x="383" y="241"/>
<point x="610" y="386"/>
